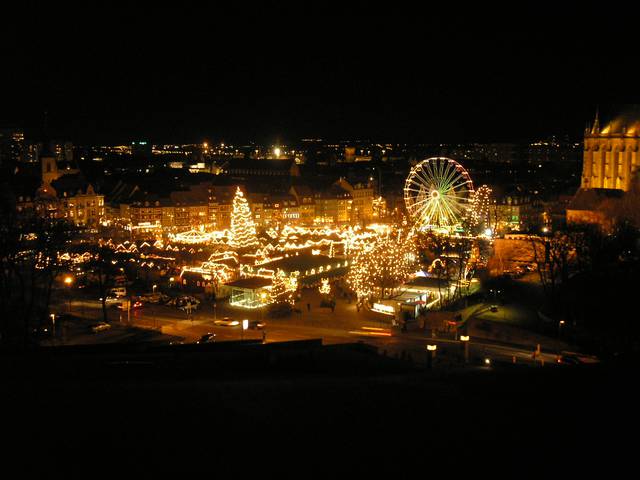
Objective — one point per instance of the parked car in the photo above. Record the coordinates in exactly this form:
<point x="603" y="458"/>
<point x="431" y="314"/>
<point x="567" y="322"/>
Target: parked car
<point x="151" y="297"/>
<point x="227" y="322"/>
<point x="494" y="308"/>
<point x="99" y="327"/>
<point x="185" y="300"/>
<point x="207" y="338"/>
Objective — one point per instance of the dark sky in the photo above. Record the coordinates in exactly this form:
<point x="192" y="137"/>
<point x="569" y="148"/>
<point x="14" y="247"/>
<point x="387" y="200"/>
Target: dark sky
<point x="117" y="73"/>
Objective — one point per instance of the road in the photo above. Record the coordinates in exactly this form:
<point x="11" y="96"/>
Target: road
<point x="344" y="325"/>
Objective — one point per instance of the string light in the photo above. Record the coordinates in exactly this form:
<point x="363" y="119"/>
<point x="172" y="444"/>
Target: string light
<point x="325" y="288"/>
<point x="243" y="230"/>
<point x="381" y="266"/>
<point x="480" y="207"/>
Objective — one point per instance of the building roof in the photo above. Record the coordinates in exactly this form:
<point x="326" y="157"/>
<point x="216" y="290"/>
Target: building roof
<point x="261" y="167"/>
<point x="334" y="191"/>
<point x="594" y="198"/>
<point x="71" y="185"/>
<point x="304" y="261"/>
<point x="251" y="283"/>
<point x="427" y="282"/>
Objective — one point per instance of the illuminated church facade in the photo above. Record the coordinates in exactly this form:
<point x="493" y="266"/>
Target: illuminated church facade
<point x="610" y="185"/>
<point x="611" y="155"/>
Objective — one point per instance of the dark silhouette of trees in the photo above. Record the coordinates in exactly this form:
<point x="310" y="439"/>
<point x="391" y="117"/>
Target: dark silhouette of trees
<point x="103" y="267"/>
<point x="30" y="248"/>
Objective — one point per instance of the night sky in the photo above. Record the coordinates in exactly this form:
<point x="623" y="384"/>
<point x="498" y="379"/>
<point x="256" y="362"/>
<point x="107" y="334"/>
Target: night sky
<point x="279" y="73"/>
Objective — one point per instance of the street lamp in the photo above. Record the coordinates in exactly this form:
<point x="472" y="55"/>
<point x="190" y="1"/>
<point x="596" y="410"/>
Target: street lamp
<point x="431" y="351"/>
<point x="154" y="288"/>
<point x="68" y="281"/>
<point x="560" y="324"/>
<point x="465" y="341"/>
<point x="245" y="325"/>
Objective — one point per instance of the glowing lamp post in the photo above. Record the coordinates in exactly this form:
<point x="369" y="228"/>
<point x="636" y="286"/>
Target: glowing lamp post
<point x="465" y="341"/>
<point x="68" y="281"/>
<point x="245" y="325"/>
<point x="560" y="324"/>
<point x="53" y="325"/>
<point x="431" y="351"/>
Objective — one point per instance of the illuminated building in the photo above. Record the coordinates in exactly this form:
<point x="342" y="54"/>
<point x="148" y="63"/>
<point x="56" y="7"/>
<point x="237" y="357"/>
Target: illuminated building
<point x="611" y="154"/>
<point x="362" y="196"/>
<point x="64" y="193"/>
<point x="610" y="186"/>
<point x="333" y="205"/>
<point x="11" y="147"/>
<point x="307" y="268"/>
<point x="254" y="292"/>
<point x="306" y="204"/>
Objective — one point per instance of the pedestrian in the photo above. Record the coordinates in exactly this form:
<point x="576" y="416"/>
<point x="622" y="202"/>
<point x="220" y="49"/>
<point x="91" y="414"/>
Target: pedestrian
<point x="264" y="336"/>
<point x="308" y="307"/>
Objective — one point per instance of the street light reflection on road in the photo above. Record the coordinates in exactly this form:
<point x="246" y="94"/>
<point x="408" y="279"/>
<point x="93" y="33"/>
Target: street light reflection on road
<point x="372" y="332"/>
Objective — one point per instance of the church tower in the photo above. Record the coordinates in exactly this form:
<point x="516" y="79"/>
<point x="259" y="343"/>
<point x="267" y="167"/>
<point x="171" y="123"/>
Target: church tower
<point x="49" y="165"/>
<point x="611" y="154"/>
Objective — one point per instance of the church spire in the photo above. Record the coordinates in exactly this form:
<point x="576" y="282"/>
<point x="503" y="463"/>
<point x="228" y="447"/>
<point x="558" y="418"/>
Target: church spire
<point x="596" y="122"/>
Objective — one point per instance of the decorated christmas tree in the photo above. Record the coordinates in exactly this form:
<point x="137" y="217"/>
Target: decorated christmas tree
<point x="325" y="288"/>
<point x="378" y="269"/>
<point x="243" y="230"/>
<point x="282" y="289"/>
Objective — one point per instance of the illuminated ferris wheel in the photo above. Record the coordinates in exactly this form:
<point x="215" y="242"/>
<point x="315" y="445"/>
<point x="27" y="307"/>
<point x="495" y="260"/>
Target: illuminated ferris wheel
<point x="437" y="192"/>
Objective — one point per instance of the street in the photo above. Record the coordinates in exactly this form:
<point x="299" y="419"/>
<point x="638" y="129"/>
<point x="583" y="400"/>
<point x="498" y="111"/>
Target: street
<point x="345" y="324"/>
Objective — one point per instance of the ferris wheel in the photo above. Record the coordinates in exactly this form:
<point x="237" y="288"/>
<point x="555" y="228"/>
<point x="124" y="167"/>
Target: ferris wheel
<point x="437" y="192"/>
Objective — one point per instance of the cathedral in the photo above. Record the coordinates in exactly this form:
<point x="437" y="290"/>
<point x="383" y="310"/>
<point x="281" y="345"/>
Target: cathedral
<point x="610" y="185"/>
<point x="611" y="154"/>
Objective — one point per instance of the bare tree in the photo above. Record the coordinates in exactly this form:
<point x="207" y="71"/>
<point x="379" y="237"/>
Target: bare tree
<point x="30" y="248"/>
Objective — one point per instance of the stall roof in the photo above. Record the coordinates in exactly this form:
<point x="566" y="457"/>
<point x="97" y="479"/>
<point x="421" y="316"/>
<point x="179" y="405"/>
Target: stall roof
<point x="251" y="283"/>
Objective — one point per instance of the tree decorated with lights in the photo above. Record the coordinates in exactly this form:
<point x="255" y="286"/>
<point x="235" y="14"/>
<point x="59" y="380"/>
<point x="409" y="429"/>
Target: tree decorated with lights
<point x="283" y="289"/>
<point x="325" y="288"/>
<point x="382" y="266"/>
<point x="243" y="230"/>
<point x="480" y="208"/>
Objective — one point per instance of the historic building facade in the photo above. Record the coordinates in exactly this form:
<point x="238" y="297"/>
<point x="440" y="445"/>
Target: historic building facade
<point x="611" y="157"/>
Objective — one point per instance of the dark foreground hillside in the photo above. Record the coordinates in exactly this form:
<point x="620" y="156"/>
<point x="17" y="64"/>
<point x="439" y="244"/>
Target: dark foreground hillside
<point x="307" y="409"/>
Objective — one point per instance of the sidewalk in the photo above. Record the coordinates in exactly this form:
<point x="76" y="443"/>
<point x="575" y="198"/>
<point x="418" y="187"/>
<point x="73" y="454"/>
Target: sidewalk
<point x="525" y="340"/>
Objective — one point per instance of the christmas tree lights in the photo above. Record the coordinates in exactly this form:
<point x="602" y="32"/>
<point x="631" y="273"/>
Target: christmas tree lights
<point x="283" y="288"/>
<point x="382" y="266"/>
<point x="243" y="230"/>
<point x="325" y="288"/>
<point x="480" y="207"/>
